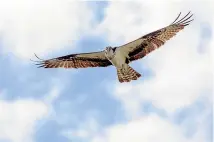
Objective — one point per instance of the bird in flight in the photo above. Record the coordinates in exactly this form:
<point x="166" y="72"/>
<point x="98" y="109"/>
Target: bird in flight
<point x="120" y="56"/>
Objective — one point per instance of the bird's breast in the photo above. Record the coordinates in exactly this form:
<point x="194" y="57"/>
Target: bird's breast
<point x="118" y="60"/>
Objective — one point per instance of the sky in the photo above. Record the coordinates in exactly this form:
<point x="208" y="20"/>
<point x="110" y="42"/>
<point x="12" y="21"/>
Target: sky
<point x="172" y="101"/>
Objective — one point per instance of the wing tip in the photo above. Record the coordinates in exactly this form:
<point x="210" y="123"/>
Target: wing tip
<point x="39" y="63"/>
<point x="186" y="20"/>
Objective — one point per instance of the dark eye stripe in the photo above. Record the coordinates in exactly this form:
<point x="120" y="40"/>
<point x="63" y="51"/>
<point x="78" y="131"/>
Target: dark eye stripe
<point x="113" y="49"/>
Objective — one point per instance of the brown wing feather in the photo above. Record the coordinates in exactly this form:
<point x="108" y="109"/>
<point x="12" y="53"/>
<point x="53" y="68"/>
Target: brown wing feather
<point x="83" y="60"/>
<point x="144" y="45"/>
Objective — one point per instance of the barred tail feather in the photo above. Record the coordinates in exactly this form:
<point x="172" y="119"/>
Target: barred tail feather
<point x="128" y="75"/>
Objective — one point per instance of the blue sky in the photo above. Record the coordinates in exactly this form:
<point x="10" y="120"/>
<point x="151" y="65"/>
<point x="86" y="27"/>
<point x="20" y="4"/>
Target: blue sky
<point x="171" y="101"/>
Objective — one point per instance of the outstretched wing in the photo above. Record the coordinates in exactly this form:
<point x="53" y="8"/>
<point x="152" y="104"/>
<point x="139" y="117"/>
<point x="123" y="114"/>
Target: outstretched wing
<point x="82" y="60"/>
<point x="144" y="45"/>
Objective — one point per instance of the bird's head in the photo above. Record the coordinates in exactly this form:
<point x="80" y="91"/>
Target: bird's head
<point x="109" y="50"/>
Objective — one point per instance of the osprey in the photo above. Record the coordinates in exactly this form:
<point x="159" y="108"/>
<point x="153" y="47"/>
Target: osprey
<point x="120" y="56"/>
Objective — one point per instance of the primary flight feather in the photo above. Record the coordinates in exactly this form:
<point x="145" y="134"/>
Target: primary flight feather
<point x="121" y="56"/>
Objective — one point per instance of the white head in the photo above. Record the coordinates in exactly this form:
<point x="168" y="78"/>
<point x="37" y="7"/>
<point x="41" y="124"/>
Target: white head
<point x="109" y="51"/>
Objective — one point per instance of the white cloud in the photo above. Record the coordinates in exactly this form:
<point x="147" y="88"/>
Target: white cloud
<point x="18" y="119"/>
<point x="147" y="129"/>
<point x="29" y="26"/>
<point x="150" y="128"/>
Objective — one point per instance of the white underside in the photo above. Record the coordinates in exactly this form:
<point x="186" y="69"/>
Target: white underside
<point x="119" y="59"/>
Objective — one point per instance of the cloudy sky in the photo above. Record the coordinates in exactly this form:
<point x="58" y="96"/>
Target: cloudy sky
<point x="171" y="102"/>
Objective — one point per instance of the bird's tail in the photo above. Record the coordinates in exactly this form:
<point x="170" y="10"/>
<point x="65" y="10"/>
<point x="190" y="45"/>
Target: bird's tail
<point x="127" y="75"/>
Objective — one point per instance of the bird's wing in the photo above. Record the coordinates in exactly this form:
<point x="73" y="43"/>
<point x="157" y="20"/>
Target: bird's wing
<point x="142" y="46"/>
<point x="81" y="60"/>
